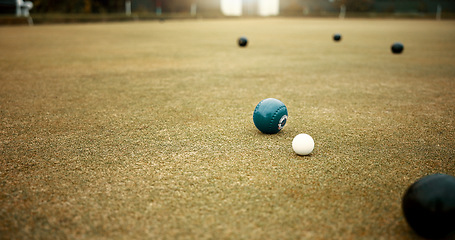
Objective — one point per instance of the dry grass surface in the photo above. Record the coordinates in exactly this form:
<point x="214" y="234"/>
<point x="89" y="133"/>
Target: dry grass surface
<point x="144" y="130"/>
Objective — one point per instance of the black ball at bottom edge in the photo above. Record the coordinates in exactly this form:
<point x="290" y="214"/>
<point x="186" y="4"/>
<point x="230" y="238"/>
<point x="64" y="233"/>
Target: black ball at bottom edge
<point x="397" y="48"/>
<point x="243" y="42"/>
<point x="429" y="206"/>
<point x="337" y="37"/>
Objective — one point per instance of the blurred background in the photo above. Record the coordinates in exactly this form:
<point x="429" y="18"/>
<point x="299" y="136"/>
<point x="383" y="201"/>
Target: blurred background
<point x="150" y="9"/>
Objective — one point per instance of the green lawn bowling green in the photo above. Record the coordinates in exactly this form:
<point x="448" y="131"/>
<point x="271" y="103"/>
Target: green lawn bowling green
<point x="144" y="129"/>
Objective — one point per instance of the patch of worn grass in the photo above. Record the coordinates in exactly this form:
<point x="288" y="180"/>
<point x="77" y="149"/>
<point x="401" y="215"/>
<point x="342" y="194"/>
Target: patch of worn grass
<point x="144" y="130"/>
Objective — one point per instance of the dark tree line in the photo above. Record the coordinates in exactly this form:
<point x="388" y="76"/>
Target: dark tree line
<point x="355" y="5"/>
<point x="78" y="6"/>
<point x="286" y="6"/>
<point x="113" y="6"/>
<point x="296" y="6"/>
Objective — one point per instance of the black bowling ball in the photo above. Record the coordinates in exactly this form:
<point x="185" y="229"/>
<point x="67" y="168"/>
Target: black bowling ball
<point x="429" y="206"/>
<point x="243" y="41"/>
<point x="397" y="48"/>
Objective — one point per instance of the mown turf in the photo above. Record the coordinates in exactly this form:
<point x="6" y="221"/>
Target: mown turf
<point x="144" y="130"/>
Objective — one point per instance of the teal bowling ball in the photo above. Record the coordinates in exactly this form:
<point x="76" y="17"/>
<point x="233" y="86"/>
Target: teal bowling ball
<point x="270" y="116"/>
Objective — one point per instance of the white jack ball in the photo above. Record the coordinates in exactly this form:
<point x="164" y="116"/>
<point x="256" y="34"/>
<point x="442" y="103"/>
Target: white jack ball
<point x="303" y="144"/>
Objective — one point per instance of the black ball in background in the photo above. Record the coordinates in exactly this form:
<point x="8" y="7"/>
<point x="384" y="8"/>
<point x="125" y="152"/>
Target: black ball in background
<point x="337" y="37"/>
<point x="243" y="42"/>
<point x="429" y="206"/>
<point x="397" y="48"/>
